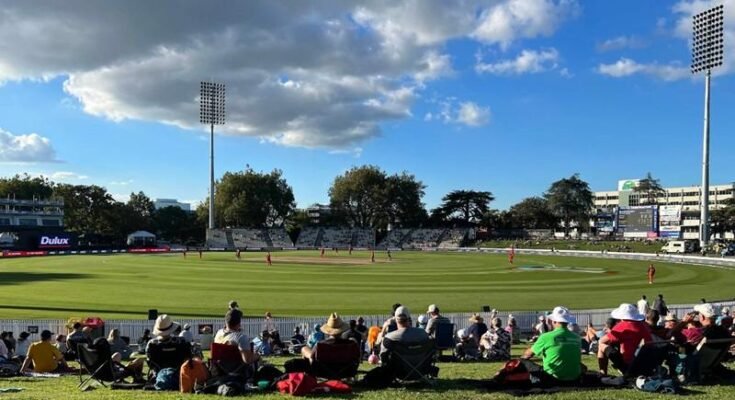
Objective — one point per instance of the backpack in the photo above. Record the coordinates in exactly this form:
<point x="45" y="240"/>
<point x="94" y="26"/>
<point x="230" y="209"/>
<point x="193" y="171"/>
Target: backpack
<point x="8" y="369"/>
<point x="297" y="384"/>
<point x="192" y="372"/>
<point x="512" y="372"/>
<point x="166" y="379"/>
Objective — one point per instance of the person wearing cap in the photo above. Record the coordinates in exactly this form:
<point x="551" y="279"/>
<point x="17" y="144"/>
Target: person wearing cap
<point x="333" y="329"/>
<point x="560" y="351"/>
<point x="186" y="333"/>
<point x="232" y="334"/>
<point x="707" y="322"/>
<point x="725" y="319"/>
<point x="405" y="333"/>
<point x="476" y="329"/>
<point x="163" y="332"/>
<point x="44" y="356"/>
<point x="435" y="319"/>
<point x="496" y="342"/>
<point x="316" y="336"/>
<point x="620" y="344"/>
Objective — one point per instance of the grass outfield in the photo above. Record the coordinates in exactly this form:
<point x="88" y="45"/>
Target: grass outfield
<point x="302" y="283"/>
<point x="448" y="387"/>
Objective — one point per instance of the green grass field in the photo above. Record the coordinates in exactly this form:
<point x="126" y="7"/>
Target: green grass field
<point x="302" y="283"/>
<point x="451" y="385"/>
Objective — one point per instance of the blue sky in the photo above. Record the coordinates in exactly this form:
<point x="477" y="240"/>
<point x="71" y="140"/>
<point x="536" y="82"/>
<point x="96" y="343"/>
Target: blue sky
<point x="505" y="95"/>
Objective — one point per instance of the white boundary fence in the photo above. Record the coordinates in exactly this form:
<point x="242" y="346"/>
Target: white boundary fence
<point x="253" y="326"/>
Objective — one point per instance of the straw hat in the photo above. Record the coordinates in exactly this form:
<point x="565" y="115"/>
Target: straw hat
<point x="627" y="312"/>
<point x="476" y="318"/>
<point x="164" y="326"/>
<point x="334" y="326"/>
<point x="670" y="317"/>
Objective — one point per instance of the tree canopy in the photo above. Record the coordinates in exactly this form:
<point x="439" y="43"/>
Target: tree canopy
<point x="570" y="199"/>
<point x="534" y="213"/>
<point x="26" y="187"/>
<point x="650" y="190"/>
<point x="467" y="207"/>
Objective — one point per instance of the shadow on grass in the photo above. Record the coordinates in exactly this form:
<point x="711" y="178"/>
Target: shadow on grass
<point x="19" y="278"/>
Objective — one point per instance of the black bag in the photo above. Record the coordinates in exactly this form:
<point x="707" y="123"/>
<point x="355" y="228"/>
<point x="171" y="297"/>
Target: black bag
<point x="378" y="378"/>
<point x="297" y="365"/>
<point x="268" y="373"/>
<point x="8" y="369"/>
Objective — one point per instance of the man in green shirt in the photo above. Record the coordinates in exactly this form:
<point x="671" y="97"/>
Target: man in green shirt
<point x="560" y="350"/>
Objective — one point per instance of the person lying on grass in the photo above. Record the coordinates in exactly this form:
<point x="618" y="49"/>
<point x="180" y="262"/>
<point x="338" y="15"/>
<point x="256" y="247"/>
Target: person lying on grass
<point x="44" y="356"/>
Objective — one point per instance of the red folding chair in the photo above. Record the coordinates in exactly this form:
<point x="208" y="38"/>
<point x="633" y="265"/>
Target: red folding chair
<point x="336" y="360"/>
<point x="226" y="359"/>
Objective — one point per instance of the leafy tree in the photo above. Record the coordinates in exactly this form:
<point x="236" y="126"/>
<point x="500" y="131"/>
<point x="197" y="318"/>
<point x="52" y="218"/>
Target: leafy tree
<point x="26" y="187"/>
<point x="570" y="199"/>
<point x="140" y="210"/>
<point x="650" y="190"/>
<point x="723" y="219"/>
<point x="176" y="225"/>
<point x="251" y="199"/>
<point x="360" y="196"/>
<point x="533" y="213"/>
<point x="367" y="197"/>
<point x="90" y="209"/>
<point x="466" y="207"/>
<point x="404" y="206"/>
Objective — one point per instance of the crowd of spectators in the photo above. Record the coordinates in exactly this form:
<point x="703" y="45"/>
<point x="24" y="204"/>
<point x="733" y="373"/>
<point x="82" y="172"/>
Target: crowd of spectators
<point x="637" y="339"/>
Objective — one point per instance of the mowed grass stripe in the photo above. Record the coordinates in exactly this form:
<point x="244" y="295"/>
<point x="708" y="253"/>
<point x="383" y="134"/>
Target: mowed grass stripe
<point x="125" y="286"/>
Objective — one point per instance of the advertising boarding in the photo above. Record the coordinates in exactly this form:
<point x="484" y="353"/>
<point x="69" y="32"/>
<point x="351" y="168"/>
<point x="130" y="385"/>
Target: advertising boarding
<point x="55" y="241"/>
<point x="669" y="220"/>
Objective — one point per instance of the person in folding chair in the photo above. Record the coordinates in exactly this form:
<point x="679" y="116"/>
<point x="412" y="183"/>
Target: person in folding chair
<point x="233" y="335"/>
<point x="333" y="357"/>
<point x="407" y="353"/>
<point x="560" y="350"/>
<point x="166" y="349"/>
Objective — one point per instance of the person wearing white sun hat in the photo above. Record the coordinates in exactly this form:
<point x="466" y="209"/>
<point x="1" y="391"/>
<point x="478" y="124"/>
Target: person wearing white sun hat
<point x="621" y="342"/>
<point x="560" y="349"/>
<point x="163" y="331"/>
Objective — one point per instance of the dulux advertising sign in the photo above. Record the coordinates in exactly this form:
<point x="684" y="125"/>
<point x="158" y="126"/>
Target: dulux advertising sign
<point x="55" y="241"/>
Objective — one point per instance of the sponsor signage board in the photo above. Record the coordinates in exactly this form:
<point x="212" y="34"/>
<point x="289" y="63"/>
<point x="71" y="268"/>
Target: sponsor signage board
<point x="55" y="241"/>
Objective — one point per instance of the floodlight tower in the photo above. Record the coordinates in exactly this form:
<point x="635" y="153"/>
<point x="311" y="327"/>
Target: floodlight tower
<point x="212" y="112"/>
<point x="707" y="53"/>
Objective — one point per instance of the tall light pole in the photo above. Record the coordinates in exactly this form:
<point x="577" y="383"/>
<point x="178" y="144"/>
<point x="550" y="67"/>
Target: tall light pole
<point x="212" y="112"/>
<point x="707" y="53"/>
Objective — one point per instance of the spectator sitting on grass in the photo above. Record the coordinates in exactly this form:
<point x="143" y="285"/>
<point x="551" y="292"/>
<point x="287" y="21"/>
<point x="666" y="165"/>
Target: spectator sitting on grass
<point x="232" y="334"/>
<point x="333" y="329"/>
<point x="390" y="324"/>
<point x="76" y="334"/>
<point x="466" y="348"/>
<point x="297" y="337"/>
<point x="22" y="345"/>
<point x="61" y="343"/>
<point x="362" y="328"/>
<point x="4" y="353"/>
<point x="658" y="333"/>
<point x="725" y="319"/>
<point x="435" y="319"/>
<point x="132" y="369"/>
<point x="316" y="336"/>
<point x="143" y="341"/>
<point x="513" y="329"/>
<point x="206" y="338"/>
<point x="477" y="329"/>
<point x="44" y="356"/>
<point x="352" y="333"/>
<point x="560" y="351"/>
<point x="496" y="342"/>
<point x="186" y="333"/>
<point x="9" y="341"/>
<point x="117" y="345"/>
<point x="620" y="344"/>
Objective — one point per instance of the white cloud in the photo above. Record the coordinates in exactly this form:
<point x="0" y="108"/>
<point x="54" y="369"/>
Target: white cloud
<point x="121" y="183"/>
<point x="511" y="20"/>
<point x="29" y="148"/>
<point x="621" y="42"/>
<point x="527" y="62"/>
<point x="465" y="113"/>
<point x="67" y="176"/>
<point x="471" y="114"/>
<point x="626" y="67"/>
<point x="310" y="74"/>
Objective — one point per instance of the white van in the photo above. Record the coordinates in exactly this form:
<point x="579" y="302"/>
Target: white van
<point x="678" y="247"/>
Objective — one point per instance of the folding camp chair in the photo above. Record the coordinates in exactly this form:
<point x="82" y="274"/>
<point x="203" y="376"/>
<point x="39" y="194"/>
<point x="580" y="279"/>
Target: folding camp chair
<point x="411" y="361"/>
<point x="168" y="355"/>
<point x="227" y="360"/>
<point x="96" y="360"/>
<point x="649" y="357"/>
<point x="72" y="354"/>
<point x="711" y="353"/>
<point x="336" y="360"/>
<point x="444" y="337"/>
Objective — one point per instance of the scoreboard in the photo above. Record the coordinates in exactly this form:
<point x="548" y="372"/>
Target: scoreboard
<point x="637" y="220"/>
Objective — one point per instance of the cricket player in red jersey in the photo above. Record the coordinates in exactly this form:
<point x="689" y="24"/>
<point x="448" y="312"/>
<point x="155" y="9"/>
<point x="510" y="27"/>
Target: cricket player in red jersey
<point x="268" y="259"/>
<point x="651" y="273"/>
<point x="511" y="254"/>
